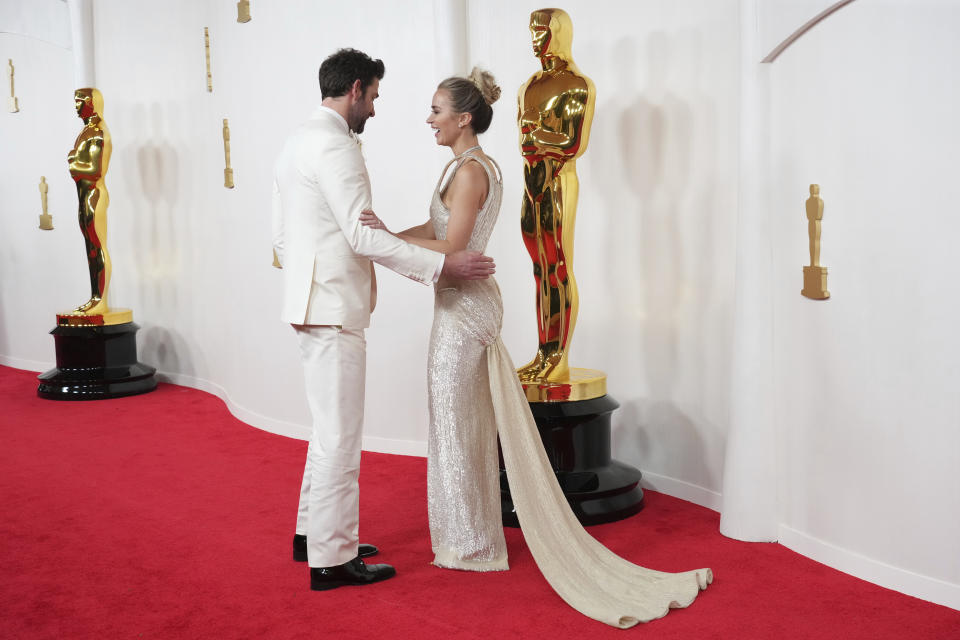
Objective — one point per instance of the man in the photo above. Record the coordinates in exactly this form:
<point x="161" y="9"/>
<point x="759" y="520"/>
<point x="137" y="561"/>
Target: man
<point x="320" y="188"/>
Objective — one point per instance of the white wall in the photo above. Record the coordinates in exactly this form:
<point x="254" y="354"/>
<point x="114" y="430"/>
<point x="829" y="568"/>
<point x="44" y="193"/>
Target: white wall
<point x="39" y="270"/>
<point x="868" y="382"/>
<point x="192" y="258"/>
<point x="656" y="223"/>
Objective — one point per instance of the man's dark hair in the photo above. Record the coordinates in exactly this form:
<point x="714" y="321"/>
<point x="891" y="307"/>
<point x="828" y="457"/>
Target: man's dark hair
<point x="343" y="68"/>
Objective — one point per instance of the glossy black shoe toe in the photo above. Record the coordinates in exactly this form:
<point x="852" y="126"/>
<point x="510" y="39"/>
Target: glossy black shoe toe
<point x="354" y="573"/>
<point x="300" y="549"/>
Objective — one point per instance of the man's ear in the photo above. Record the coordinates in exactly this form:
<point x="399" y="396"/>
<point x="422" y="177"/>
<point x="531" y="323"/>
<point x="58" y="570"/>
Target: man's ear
<point x="356" y="90"/>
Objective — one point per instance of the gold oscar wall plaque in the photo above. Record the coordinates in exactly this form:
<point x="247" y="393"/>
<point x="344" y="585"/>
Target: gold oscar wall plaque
<point x="243" y="11"/>
<point x="46" y="220"/>
<point x="228" y="170"/>
<point x="206" y="48"/>
<point x="12" y="105"/>
<point x="814" y="275"/>
<point x="95" y="343"/>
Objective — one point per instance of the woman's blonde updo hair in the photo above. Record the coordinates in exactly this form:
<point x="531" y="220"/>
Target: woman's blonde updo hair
<point x="474" y="95"/>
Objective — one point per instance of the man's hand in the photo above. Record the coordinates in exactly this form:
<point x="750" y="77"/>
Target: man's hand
<point x="468" y="265"/>
<point x="369" y="219"/>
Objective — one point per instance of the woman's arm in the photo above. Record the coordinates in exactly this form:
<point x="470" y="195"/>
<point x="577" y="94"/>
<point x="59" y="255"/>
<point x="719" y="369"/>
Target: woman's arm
<point x="467" y="192"/>
<point x="424" y="231"/>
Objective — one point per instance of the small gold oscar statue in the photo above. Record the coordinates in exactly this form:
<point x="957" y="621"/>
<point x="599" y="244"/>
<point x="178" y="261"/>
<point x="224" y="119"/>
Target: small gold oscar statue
<point x="227" y="172"/>
<point x="276" y="260"/>
<point x="243" y="11"/>
<point x="206" y="46"/>
<point x="815" y="276"/>
<point x="46" y="220"/>
<point x="12" y="105"/>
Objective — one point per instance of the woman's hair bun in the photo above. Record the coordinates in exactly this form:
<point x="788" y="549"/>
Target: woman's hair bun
<point x="485" y="82"/>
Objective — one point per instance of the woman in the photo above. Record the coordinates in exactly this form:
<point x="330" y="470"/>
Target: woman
<point x="474" y="390"/>
<point x="463" y="487"/>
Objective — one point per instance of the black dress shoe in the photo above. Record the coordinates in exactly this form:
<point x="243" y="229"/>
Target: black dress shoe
<point x="353" y="573"/>
<point x="300" y="549"/>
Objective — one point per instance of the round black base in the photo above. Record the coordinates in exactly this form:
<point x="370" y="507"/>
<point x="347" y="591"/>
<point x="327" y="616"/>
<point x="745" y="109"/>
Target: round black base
<point x="576" y="437"/>
<point x="95" y="363"/>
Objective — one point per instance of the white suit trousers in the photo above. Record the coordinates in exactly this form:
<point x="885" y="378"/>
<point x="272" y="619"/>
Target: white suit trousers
<point x="334" y="367"/>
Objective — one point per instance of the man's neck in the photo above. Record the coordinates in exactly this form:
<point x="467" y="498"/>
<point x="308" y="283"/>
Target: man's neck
<point x="340" y="105"/>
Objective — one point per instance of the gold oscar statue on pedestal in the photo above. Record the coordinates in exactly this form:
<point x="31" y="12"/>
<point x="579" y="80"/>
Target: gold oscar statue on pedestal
<point x="96" y="345"/>
<point x="555" y="111"/>
<point x="89" y="160"/>
<point x="569" y="405"/>
<point x="815" y="276"/>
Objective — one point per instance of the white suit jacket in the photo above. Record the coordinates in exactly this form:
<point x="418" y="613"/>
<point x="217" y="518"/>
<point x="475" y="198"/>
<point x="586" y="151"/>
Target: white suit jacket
<point x="320" y="187"/>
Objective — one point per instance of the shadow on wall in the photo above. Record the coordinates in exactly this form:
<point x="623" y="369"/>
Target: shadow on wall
<point x="151" y="176"/>
<point x="156" y="187"/>
<point x="662" y="200"/>
<point x="657" y="431"/>
<point x="166" y="350"/>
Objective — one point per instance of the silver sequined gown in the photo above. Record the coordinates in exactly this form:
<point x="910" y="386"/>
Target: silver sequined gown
<point x="463" y="488"/>
<point x="474" y="395"/>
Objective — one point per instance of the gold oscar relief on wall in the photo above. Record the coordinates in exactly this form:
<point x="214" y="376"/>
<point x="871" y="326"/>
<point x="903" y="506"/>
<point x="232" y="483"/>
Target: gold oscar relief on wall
<point x="243" y="11"/>
<point x="206" y="47"/>
<point x="228" y="171"/>
<point x="276" y="260"/>
<point x="815" y="276"/>
<point x="12" y="105"/>
<point x="555" y="111"/>
<point x="46" y="220"/>
<point x="88" y="161"/>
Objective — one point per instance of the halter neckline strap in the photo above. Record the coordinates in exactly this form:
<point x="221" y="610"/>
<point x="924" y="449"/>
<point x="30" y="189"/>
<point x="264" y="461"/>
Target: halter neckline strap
<point x="466" y="151"/>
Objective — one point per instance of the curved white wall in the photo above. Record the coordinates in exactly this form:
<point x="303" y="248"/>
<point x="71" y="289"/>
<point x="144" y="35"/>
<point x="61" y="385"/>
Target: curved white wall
<point x="868" y="382"/>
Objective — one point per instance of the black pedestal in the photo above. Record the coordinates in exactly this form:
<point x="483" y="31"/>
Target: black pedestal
<point x="576" y="436"/>
<point x="95" y="363"/>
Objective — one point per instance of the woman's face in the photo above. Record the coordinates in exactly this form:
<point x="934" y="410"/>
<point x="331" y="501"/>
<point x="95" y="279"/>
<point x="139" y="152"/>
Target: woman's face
<point x="444" y="121"/>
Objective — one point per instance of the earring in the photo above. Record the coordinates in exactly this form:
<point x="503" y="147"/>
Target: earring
<point x="460" y="125"/>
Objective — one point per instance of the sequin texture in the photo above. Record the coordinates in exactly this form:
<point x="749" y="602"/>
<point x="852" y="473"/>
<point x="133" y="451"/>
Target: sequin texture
<point x="463" y="489"/>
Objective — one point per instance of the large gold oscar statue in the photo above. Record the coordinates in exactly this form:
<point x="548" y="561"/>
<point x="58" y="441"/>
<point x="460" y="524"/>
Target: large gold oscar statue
<point x="96" y="345"/>
<point x="89" y="160"/>
<point x="555" y="110"/>
<point x="570" y="405"/>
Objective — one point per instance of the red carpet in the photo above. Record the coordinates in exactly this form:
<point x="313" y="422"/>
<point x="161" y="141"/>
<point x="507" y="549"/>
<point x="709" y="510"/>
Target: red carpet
<point x="162" y="516"/>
